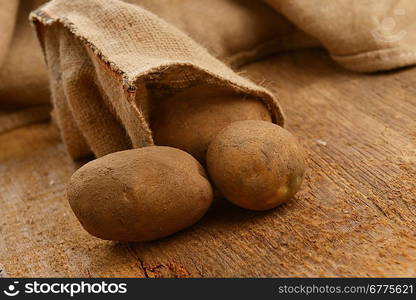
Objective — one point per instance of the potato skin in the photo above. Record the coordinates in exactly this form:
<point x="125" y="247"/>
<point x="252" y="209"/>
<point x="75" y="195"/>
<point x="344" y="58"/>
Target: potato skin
<point x="190" y="119"/>
<point x="255" y="164"/>
<point x="140" y="195"/>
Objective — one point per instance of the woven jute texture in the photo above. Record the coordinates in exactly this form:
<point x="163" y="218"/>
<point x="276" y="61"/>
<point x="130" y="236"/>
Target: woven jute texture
<point x="122" y="57"/>
<point x="236" y="32"/>
<point x="355" y="215"/>
<point x="106" y="70"/>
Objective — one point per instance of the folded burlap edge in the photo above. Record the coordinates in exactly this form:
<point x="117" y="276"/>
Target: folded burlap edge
<point x="377" y="60"/>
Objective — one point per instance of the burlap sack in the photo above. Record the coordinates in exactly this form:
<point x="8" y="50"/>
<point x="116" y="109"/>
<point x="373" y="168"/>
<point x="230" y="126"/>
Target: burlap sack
<point x="236" y="32"/>
<point x="363" y="36"/>
<point x="109" y="60"/>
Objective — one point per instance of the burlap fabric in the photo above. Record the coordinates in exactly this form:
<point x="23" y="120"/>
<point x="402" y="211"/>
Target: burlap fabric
<point x="23" y="74"/>
<point x="363" y="36"/>
<point x="103" y="91"/>
<point x="124" y="55"/>
<point x="353" y="217"/>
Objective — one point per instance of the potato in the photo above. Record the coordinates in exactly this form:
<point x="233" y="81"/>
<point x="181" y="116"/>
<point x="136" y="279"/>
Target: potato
<point x="190" y="119"/>
<point x="255" y="164"/>
<point x="140" y="195"/>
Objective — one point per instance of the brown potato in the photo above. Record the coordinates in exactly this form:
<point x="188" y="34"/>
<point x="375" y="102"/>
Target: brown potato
<point x="190" y="119"/>
<point x="140" y="194"/>
<point x="255" y="164"/>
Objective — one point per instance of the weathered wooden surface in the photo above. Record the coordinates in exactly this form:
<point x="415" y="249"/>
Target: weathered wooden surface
<point x="356" y="214"/>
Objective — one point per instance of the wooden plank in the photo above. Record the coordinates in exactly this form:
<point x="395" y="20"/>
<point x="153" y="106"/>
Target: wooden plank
<point x="355" y="216"/>
<point x="39" y="234"/>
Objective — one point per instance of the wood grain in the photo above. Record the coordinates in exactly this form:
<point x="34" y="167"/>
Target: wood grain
<point x="355" y="216"/>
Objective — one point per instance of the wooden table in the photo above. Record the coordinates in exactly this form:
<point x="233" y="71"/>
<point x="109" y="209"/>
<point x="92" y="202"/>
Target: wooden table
<point x="355" y="216"/>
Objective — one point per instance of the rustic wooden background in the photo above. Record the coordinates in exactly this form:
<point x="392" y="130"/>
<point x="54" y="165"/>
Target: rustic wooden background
<point x="355" y="215"/>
